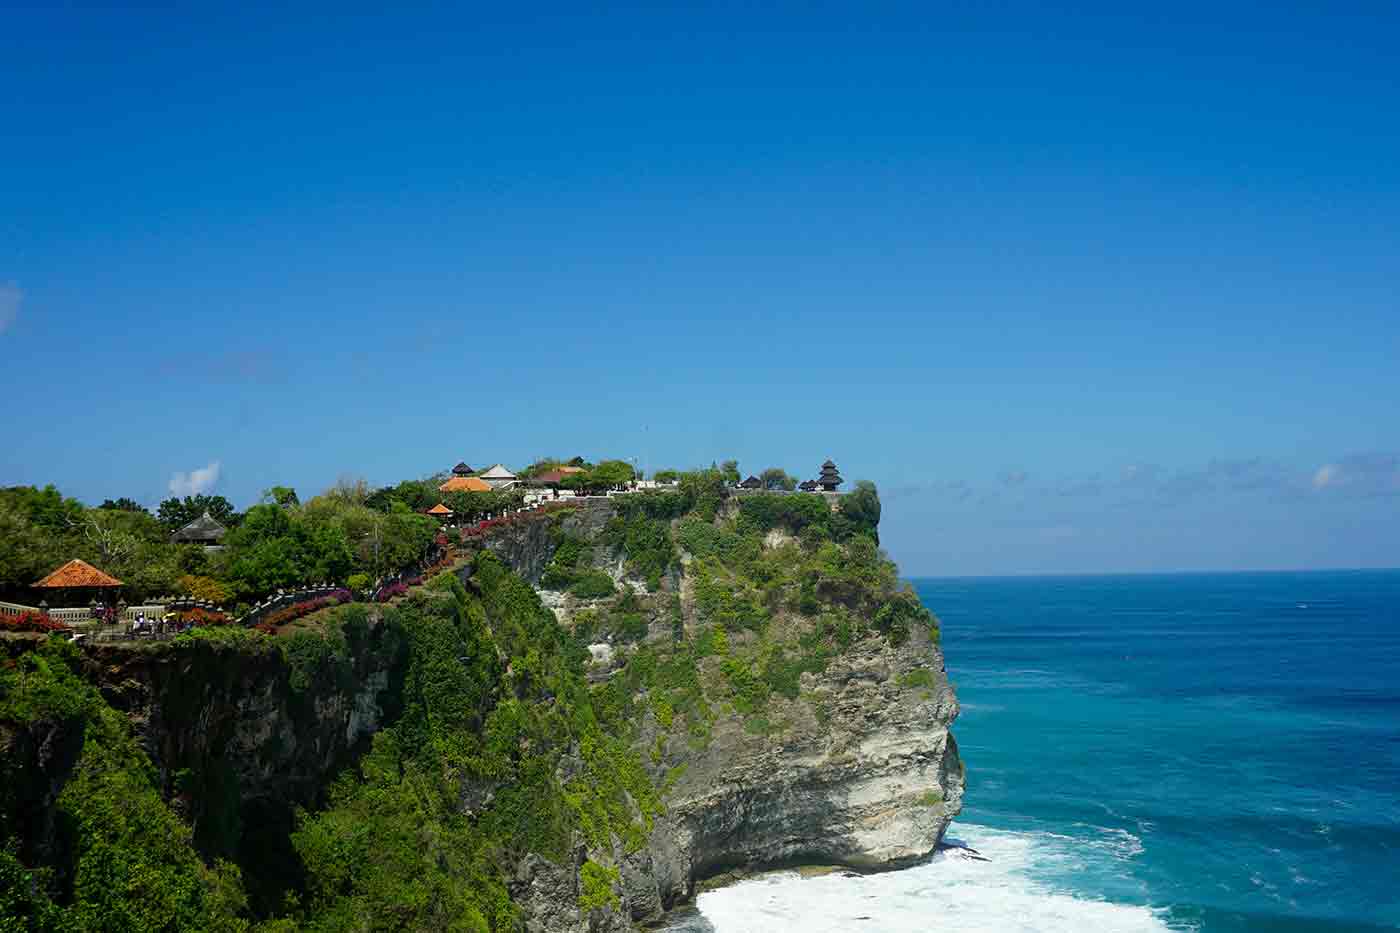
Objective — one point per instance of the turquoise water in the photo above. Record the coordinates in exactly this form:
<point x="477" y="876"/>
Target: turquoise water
<point x="1189" y="752"/>
<point x="1224" y="747"/>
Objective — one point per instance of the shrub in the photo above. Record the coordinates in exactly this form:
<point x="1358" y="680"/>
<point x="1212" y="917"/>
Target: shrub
<point x="358" y="582"/>
<point x="305" y="608"/>
<point x="594" y="584"/>
<point x="596" y="886"/>
<point x="32" y="622"/>
<point x="919" y="677"/>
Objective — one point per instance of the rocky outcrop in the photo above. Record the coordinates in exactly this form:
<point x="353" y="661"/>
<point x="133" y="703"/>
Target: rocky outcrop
<point x="863" y="770"/>
<point x="866" y="774"/>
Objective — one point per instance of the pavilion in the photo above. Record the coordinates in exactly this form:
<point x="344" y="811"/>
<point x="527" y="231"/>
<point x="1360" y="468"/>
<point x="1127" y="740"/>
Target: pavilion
<point x="440" y="511"/>
<point x="808" y="485"/>
<point x="465" y="484"/>
<point x="498" y="477"/>
<point x="753" y="482"/>
<point x="77" y="579"/>
<point x="829" y="478"/>
<point x="461" y="469"/>
<point x="204" y="530"/>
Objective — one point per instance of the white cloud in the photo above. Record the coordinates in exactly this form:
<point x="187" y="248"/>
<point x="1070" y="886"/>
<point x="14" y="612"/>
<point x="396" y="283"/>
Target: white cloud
<point x="1325" y="476"/>
<point x="10" y="298"/>
<point x="195" y="482"/>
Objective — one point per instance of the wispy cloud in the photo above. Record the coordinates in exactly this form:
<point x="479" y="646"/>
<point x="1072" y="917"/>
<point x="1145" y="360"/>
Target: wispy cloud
<point x="1365" y="474"/>
<point x="11" y="296"/>
<point x="1014" y="478"/>
<point x="195" y="482"/>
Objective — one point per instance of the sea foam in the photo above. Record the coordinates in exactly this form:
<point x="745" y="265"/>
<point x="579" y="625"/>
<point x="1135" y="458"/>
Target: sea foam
<point x="991" y="886"/>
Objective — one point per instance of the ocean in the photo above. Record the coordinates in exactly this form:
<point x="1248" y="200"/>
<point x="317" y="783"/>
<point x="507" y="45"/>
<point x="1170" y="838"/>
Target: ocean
<point x="1208" y="752"/>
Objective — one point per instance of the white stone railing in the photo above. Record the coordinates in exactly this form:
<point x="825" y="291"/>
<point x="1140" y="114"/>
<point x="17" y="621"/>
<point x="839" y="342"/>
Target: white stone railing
<point x="75" y="615"/>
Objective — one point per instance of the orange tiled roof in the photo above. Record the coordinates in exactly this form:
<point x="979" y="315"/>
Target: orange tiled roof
<point x="569" y="469"/>
<point x="78" y="573"/>
<point x="439" y="509"/>
<point x="465" y="484"/>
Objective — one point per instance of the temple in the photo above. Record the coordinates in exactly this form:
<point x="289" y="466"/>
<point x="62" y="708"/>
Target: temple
<point x="204" y="530"/>
<point x="829" y="478"/>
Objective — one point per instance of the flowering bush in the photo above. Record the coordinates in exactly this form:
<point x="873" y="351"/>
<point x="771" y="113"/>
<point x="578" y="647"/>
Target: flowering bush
<point x="199" y="616"/>
<point x="390" y="590"/>
<point x="32" y="622"/>
<point x="295" y="611"/>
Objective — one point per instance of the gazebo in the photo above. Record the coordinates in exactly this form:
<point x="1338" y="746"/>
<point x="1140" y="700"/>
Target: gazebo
<point x="76" y="579"/>
<point x="204" y="530"/>
<point x="753" y="482"/>
<point x="461" y="469"/>
<point x="440" y="511"/>
<point x="829" y="478"/>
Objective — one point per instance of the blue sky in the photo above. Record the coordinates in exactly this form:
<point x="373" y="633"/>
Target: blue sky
<point x="1081" y="291"/>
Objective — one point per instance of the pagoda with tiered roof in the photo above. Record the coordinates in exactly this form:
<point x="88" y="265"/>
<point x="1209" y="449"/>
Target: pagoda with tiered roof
<point x="829" y="478"/>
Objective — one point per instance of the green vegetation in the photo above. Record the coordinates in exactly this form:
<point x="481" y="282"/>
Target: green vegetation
<point x="108" y="853"/>
<point x="494" y="743"/>
<point x="279" y="543"/>
<point x="596" y="886"/>
<point x="919" y="677"/>
<point x="930" y="798"/>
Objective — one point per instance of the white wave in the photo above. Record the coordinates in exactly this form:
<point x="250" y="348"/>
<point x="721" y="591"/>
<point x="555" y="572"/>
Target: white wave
<point x="954" y="891"/>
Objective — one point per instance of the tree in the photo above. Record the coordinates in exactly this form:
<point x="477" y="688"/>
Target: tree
<point x="123" y="505"/>
<point x="729" y="469"/>
<point x="777" y="478"/>
<point x="861" y="507"/>
<point x="176" y="513"/>
<point x="284" y="496"/>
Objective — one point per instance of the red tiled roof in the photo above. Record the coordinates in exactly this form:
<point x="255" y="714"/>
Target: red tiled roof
<point x="77" y="573"/>
<point x="465" y="484"/>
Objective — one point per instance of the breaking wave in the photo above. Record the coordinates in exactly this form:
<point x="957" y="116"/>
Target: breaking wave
<point x="987" y="880"/>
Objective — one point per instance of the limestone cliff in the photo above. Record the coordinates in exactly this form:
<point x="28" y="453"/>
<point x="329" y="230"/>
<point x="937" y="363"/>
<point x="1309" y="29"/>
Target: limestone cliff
<point x="819" y="734"/>
<point x="860" y="769"/>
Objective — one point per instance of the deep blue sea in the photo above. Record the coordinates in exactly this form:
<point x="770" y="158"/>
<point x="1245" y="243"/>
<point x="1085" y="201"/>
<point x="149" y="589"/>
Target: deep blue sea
<point x="1212" y="752"/>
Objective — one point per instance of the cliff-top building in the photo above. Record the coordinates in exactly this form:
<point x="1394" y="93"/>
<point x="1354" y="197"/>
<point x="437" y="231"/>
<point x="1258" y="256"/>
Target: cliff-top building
<point x="465" y="484"/>
<point x="204" y="530"/>
<point x="829" y="478"/>
<point x="461" y="469"/>
<point x="498" y="477"/>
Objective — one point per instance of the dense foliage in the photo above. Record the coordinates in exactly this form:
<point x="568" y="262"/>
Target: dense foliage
<point x="108" y="853"/>
<point x="279" y="543"/>
<point x="494" y="698"/>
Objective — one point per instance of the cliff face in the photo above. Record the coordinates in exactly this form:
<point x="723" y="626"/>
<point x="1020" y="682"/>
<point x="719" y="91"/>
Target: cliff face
<point x="871" y="784"/>
<point x="863" y="772"/>
<point x="855" y="766"/>
<point x="240" y="738"/>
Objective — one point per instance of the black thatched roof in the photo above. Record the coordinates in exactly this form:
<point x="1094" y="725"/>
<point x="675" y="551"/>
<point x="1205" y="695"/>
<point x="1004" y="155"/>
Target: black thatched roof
<point x="807" y="485"/>
<point x="753" y="482"/>
<point x="461" y="469"/>
<point x="203" y="530"/>
<point x="829" y="479"/>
